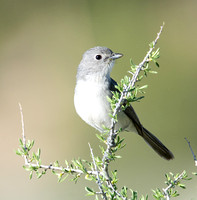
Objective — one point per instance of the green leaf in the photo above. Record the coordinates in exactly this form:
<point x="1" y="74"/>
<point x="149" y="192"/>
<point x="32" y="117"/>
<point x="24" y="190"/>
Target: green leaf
<point x="30" y="175"/>
<point x="101" y="138"/>
<point x="66" y="162"/>
<point x="54" y="172"/>
<point x="153" y="72"/>
<point x="109" y="99"/>
<point x="175" y="194"/>
<point x="132" y="63"/>
<point x="56" y="164"/>
<point x="151" y="44"/>
<point x="19" y="153"/>
<point x="167" y="177"/>
<point x="181" y="186"/>
<point x="143" y="87"/>
<point x="90" y="191"/>
<point x="38" y="153"/>
<point x="60" y="176"/>
<point x="157" y="64"/>
<point x="44" y="172"/>
<point x="38" y="174"/>
<point x="27" y="168"/>
<point x="124" y="191"/>
<point x="96" y="198"/>
<point x="21" y="142"/>
<point x="75" y="179"/>
<point x="29" y="145"/>
<point x="62" y="179"/>
<point x="133" y="195"/>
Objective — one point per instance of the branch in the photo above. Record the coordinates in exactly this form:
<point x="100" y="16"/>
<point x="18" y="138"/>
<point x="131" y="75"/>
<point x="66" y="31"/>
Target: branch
<point x="194" y="156"/>
<point x="112" y="135"/>
<point x="23" y="132"/>
<point x="166" y="193"/>
<point x="98" y="178"/>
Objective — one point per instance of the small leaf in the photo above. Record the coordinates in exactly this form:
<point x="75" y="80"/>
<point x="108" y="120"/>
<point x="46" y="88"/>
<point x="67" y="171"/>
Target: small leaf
<point x="153" y="72"/>
<point x="60" y="176"/>
<point x="109" y="99"/>
<point x="157" y="64"/>
<point x="132" y="63"/>
<point x="90" y="191"/>
<point x="56" y="164"/>
<point x="118" y="156"/>
<point x="181" y="186"/>
<point x="39" y="175"/>
<point x="175" y="194"/>
<point x="143" y="87"/>
<point x="20" y="141"/>
<point x="133" y="195"/>
<point x="30" y="175"/>
<point x="54" y="172"/>
<point x="167" y="177"/>
<point x="66" y="162"/>
<point x="151" y="44"/>
<point x="63" y="179"/>
<point x="18" y="152"/>
<point x="101" y="138"/>
<point x="27" y="168"/>
<point x="38" y="153"/>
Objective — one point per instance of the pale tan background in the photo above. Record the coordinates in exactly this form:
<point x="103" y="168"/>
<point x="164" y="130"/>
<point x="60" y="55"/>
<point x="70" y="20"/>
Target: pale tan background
<point x="41" y="44"/>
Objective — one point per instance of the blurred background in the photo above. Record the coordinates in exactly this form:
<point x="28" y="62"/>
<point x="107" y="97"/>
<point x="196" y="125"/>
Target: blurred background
<point x="41" y="45"/>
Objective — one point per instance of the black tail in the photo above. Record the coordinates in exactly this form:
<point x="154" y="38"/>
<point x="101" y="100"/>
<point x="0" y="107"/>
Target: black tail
<point x="156" y="144"/>
<point x="148" y="137"/>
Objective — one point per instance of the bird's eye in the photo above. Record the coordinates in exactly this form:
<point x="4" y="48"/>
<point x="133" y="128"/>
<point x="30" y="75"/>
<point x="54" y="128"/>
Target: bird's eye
<point x="98" y="57"/>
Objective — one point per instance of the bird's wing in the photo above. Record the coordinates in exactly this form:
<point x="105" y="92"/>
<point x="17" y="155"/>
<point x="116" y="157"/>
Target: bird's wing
<point x="129" y="111"/>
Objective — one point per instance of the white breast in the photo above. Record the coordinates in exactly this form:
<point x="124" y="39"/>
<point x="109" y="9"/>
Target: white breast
<point x="91" y="103"/>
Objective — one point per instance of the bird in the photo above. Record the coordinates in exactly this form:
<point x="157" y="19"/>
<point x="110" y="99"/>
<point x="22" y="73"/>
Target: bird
<point x="94" y="85"/>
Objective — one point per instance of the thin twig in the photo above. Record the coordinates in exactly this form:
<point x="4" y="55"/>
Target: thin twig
<point x="115" y="191"/>
<point x="146" y="59"/>
<point x="22" y="125"/>
<point x="23" y="134"/>
<point x="194" y="156"/>
<point x="64" y="169"/>
<point x="98" y="178"/>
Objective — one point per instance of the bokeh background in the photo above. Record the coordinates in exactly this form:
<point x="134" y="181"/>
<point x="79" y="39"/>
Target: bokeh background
<point x="41" y="44"/>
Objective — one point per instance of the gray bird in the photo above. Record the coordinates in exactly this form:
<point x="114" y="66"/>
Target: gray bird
<point x="93" y="85"/>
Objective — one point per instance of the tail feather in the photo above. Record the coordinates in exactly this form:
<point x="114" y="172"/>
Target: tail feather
<point x="156" y="144"/>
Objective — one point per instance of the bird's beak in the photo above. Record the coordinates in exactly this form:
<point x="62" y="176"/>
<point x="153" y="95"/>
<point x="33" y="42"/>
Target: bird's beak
<point x="116" y="56"/>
